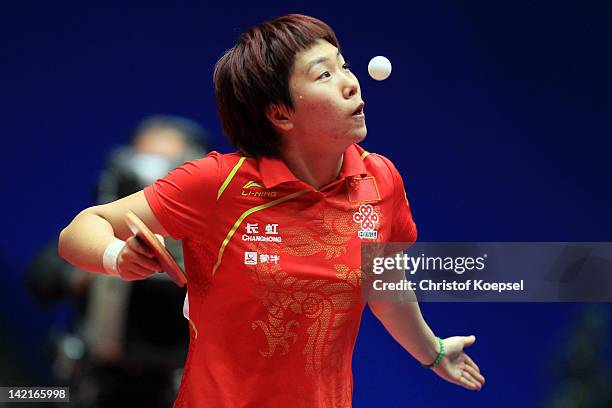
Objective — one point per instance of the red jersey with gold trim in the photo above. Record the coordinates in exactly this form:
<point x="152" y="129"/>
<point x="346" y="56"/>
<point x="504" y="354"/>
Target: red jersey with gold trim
<point x="273" y="269"/>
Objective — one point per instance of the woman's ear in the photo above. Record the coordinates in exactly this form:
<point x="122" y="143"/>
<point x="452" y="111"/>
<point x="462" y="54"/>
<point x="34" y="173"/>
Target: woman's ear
<point x="280" y="117"/>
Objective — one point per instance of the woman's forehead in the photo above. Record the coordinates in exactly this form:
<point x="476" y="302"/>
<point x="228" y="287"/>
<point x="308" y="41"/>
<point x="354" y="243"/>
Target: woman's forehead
<point x="320" y="51"/>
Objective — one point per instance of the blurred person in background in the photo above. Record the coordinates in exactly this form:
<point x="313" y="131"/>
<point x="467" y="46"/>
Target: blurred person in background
<point x="128" y="342"/>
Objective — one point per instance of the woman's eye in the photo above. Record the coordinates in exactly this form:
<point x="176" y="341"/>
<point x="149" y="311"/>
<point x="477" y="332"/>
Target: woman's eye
<point x="326" y="74"/>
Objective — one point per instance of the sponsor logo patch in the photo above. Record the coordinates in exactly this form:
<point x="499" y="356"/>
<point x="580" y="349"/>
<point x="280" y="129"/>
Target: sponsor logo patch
<point x="255" y="189"/>
<point x="367" y="218"/>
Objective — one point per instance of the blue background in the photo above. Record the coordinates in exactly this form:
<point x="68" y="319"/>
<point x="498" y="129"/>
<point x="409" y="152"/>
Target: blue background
<point x="497" y="114"/>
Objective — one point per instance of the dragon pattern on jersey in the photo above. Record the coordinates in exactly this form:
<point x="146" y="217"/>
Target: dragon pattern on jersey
<point x="327" y="303"/>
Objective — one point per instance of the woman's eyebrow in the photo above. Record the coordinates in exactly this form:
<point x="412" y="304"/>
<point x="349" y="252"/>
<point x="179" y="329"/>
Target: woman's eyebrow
<point x="319" y="60"/>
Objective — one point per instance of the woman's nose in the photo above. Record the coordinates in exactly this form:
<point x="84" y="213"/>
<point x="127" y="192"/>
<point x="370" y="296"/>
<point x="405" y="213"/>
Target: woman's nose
<point x="351" y="86"/>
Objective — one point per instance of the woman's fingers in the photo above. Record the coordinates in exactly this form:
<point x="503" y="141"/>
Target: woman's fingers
<point x="474" y="374"/>
<point x="468" y="382"/>
<point x="136" y="273"/>
<point x="149" y="264"/>
<point x="133" y="271"/>
<point x="136" y="261"/>
<point x="135" y="245"/>
<point x="472" y="363"/>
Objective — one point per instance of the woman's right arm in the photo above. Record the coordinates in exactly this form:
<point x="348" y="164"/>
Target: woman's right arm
<point x="84" y="240"/>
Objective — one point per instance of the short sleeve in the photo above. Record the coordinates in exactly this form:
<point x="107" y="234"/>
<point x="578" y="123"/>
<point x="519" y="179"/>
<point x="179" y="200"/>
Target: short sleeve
<point x="403" y="229"/>
<point x="184" y="200"/>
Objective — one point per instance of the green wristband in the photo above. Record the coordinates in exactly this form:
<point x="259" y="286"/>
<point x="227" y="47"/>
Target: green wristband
<point x="439" y="357"/>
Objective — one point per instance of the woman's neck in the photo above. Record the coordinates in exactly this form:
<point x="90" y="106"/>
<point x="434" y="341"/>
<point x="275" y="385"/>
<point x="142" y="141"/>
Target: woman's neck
<point x="313" y="167"/>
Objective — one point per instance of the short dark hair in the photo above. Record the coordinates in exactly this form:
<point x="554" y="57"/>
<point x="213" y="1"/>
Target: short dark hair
<point x="254" y="74"/>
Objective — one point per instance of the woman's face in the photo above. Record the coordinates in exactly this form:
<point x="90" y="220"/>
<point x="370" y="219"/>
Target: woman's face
<point x="328" y="108"/>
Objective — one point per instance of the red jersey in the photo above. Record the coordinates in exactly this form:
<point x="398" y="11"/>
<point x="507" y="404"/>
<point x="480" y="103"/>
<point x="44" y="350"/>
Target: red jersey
<point x="273" y="269"/>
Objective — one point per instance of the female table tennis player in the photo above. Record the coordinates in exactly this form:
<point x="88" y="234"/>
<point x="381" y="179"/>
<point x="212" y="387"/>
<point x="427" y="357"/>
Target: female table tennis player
<point x="272" y="233"/>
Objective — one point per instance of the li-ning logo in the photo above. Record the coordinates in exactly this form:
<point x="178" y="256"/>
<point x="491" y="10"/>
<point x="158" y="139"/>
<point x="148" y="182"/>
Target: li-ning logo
<point x="367" y="217"/>
<point x="250" y="189"/>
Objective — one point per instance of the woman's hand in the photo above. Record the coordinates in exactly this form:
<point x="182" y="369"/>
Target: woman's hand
<point x="457" y="367"/>
<point x="136" y="261"/>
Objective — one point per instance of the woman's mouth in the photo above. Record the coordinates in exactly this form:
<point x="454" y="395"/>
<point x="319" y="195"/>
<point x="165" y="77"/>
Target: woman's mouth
<point x="359" y="112"/>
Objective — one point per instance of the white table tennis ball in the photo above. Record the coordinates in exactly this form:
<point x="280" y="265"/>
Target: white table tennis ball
<point x="379" y="68"/>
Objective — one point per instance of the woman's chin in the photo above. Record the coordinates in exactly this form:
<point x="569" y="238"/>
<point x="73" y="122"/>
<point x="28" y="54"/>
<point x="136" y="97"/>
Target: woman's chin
<point x="361" y="134"/>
